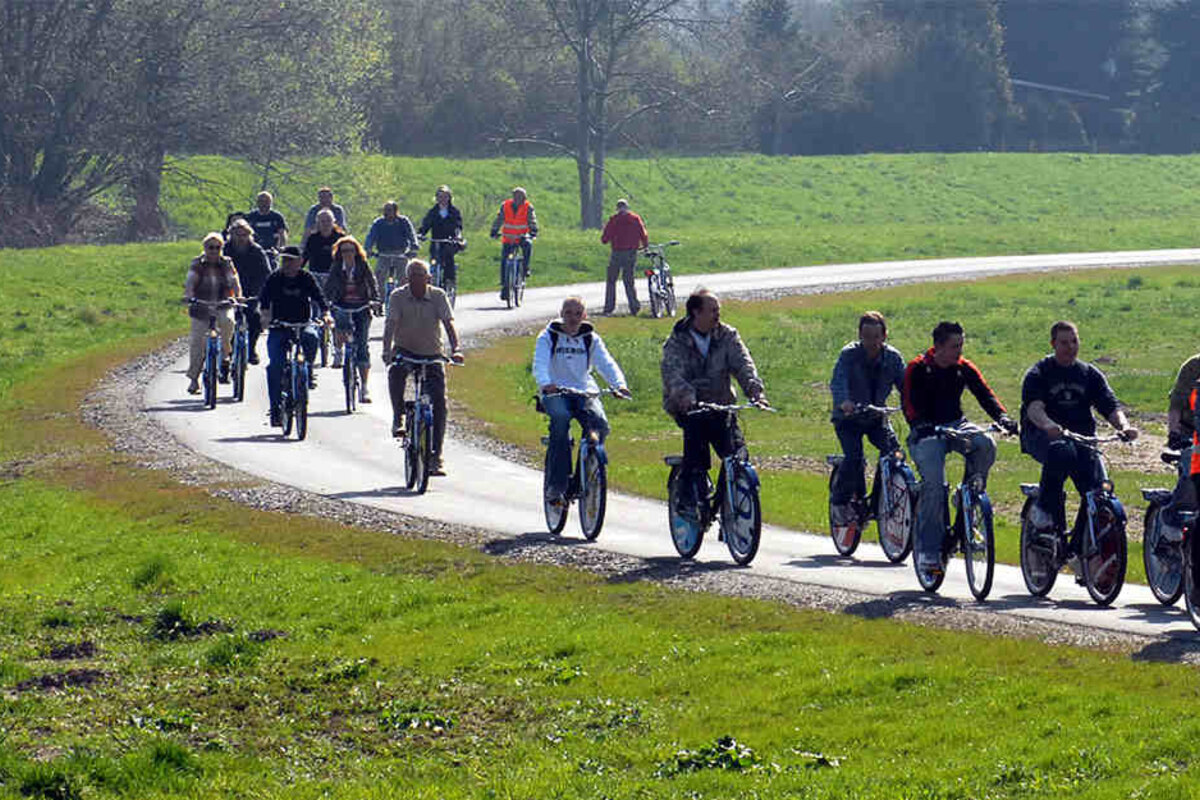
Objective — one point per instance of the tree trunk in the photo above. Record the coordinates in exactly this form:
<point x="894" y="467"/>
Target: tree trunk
<point x="583" y="150"/>
<point x="147" y="221"/>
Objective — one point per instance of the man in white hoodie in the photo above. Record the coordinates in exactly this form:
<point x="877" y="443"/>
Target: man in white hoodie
<point x="563" y="359"/>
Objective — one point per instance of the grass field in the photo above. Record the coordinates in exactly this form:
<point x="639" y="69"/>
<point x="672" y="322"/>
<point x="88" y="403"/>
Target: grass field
<point x="156" y="641"/>
<point x="750" y="212"/>
<point x="1132" y="322"/>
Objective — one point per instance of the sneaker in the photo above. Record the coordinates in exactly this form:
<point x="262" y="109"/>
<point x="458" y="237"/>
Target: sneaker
<point x="312" y="381"/>
<point x="633" y="310"/>
<point x="337" y="360"/>
<point x="194" y="386"/>
<point x="398" y="430"/>
<point x="438" y="467"/>
<point x="276" y="418"/>
<point x="252" y="358"/>
<point x="363" y="395"/>
<point x="223" y="376"/>
<point x="1040" y="519"/>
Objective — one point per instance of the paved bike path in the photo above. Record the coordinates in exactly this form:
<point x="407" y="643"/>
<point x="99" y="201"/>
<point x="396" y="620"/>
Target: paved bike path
<point x="354" y="457"/>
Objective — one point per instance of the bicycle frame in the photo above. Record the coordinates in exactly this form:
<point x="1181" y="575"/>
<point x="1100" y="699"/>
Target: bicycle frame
<point x="577" y="487"/>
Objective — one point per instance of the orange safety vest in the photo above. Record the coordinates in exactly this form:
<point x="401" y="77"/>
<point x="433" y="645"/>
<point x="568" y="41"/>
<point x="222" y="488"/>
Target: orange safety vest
<point x="516" y="221"/>
<point x="1194" y="467"/>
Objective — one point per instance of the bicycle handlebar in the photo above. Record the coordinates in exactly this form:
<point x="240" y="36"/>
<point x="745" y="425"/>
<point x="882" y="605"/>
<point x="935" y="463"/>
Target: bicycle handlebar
<point x="351" y="309"/>
<point x="228" y="303"/>
<point x="566" y="390"/>
<point x="702" y="407"/>
<point x="428" y="360"/>
<point x="293" y="325"/>
<point x="865" y="409"/>
<point x="1093" y="442"/>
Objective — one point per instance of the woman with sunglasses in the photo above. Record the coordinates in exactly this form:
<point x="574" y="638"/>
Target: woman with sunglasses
<point x="211" y="277"/>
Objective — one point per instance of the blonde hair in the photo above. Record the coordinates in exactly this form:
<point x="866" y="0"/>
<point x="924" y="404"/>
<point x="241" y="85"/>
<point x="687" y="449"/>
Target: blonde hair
<point x="213" y="237"/>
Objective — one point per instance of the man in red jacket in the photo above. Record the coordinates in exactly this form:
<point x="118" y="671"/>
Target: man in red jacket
<point x="627" y="234"/>
<point x="933" y="387"/>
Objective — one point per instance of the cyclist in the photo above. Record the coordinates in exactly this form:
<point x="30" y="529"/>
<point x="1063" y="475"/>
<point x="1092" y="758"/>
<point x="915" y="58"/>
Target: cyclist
<point x="211" y="277"/>
<point x="351" y="283"/>
<point x="444" y="221"/>
<point x="324" y="203"/>
<point x="516" y="226"/>
<point x="253" y="267"/>
<point x="390" y="239"/>
<point x="626" y="232"/>
<point x="865" y="373"/>
<point x="1181" y="435"/>
<point x="699" y="358"/>
<point x="1057" y="394"/>
<point x="417" y="313"/>
<point x="270" y="229"/>
<point x="288" y="296"/>
<point x="564" y="356"/>
<point x="933" y="387"/>
<point x="318" y="255"/>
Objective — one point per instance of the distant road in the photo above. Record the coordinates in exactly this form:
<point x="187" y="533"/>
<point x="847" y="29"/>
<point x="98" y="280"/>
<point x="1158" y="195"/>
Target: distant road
<point x="354" y="457"/>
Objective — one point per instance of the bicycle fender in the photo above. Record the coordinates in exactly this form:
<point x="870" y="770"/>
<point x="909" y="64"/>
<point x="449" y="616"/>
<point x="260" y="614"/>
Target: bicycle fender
<point x="601" y="453"/>
<point x="1118" y="508"/>
<point x="753" y="473"/>
<point x="984" y="503"/>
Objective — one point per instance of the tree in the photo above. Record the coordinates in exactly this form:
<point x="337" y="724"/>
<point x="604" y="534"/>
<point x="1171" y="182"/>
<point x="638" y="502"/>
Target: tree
<point x="1168" y="113"/>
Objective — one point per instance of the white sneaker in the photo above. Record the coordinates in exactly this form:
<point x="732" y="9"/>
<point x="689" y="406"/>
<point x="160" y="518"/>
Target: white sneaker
<point x="1040" y="519"/>
<point x="363" y="395"/>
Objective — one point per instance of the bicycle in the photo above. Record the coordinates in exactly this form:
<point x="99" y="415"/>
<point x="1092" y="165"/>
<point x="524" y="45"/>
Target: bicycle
<point x="212" y="348"/>
<point x="447" y="284"/>
<point x="351" y="380"/>
<point x="660" y="286"/>
<point x="241" y="351"/>
<point x="588" y="482"/>
<point x="294" y="379"/>
<point x="971" y="532"/>
<point x="390" y="283"/>
<point x="418" y="425"/>
<point x="513" y="287"/>
<point x="734" y="498"/>
<point x="892" y="502"/>
<point x="1100" y="524"/>
<point x="1162" y="557"/>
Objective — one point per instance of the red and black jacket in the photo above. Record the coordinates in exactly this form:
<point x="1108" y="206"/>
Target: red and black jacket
<point x="933" y="395"/>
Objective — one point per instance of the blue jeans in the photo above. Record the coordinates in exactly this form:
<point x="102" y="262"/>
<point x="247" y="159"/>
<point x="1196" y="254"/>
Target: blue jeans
<point x="508" y="247"/>
<point x="561" y="410"/>
<point x="929" y="454"/>
<point x="850" y="478"/>
<point x="361" y="321"/>
<point x="277" y="343"/>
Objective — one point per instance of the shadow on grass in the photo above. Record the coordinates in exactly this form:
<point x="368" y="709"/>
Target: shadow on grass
<point x="1175" y="649"/>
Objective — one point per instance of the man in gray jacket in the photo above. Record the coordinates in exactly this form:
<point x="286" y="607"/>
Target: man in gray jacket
<point x="865" y="373"/>
<point x="699" y="358"/>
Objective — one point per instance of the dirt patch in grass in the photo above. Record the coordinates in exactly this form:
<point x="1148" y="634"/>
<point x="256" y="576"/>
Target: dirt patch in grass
<point x="72" y="650"/>
<point x="62" y="680"/>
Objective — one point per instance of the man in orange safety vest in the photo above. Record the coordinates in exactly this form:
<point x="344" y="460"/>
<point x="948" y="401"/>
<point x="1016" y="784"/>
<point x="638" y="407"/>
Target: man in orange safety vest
<point x="516" y="226"/>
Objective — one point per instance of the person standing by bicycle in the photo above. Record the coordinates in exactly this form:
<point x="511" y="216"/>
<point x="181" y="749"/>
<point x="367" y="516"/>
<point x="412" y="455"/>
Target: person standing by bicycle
<point x="211" y="277"/>
<point x="324" y="203"/>
<point x="417" y="314"/>
<point x="351" y="283"/>
<point x="389" y="241"/>
<point x="699" y="359"/>
<point x="253" y="268"/>
<point x="516" y="226"/>
<point x="289" y="296"/>
<point x="626" y="232"/>
<point x="865" y="372"/>
<point x="443" y="221"/>
<point x="270" y="229"/>
<point x="933" y="387"/>
<point x="1058" y="394"/>
<point x="564" y="356"/>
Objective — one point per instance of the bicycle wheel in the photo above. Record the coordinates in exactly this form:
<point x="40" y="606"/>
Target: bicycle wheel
<point x="324" y="346"/>
<point x="741" y="514"/>
<point x="669" y="297"/>
<point x="895" y="522"/>
<point x="1104" y="564"/>
<point x="930" y="583"/>
<point x="425" y="446"/>
<point x="556" y="513"/>
<point x="519" y="286"/>
<point x="652" y="294"/>
<point x="979" y="546"/>
<point x="210" y="378"/>
<point x="413" y="455"/>
<point x="686" y="531"/>
<point x="1191" y="581"/>
<point x="349" y="380"/>
<point x="452" y="291"/>
<point x="509" y="270"/>
<point x="301" y="395"/>
<point x="1039" y="555"/>
<point x="594" y="499"/>
<point x="1163" y="560"/>
<point x="846" y="533"/>
<point x="238" y="368"/>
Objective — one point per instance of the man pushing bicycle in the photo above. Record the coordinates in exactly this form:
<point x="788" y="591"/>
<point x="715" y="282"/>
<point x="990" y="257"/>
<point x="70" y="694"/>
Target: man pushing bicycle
<point x="699" y="358"/>
<point x="864" y="374"/>
<point x="564" y="356"/>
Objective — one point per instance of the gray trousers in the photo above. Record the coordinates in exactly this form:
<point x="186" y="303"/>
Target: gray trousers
<point x="621" y="262"/>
